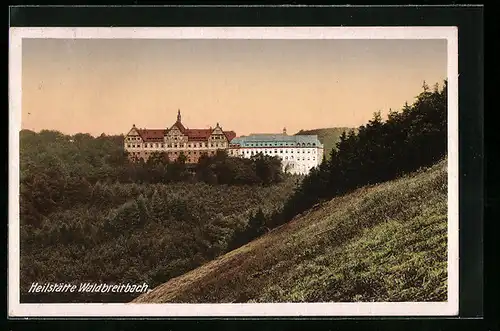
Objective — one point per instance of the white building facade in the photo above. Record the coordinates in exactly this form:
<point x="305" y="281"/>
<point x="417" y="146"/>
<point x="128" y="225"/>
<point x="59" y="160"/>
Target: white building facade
<point x="298" y="153"/>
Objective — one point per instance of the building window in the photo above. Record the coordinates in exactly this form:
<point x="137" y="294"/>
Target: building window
<point x="309" y="151"/>
<point x="162" y="145"/>
<point x="281" y="151"/>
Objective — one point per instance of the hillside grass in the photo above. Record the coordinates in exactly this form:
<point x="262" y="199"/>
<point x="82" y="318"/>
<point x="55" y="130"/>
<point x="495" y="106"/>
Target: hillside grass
<point x="382" y="243"/>
<point x="329" y="137"/>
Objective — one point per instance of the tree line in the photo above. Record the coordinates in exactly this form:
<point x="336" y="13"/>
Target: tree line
<point x="375" y="152"/>
<point x="378" y="151"/>
<point x="59" y="171"/>
<point x="88" y="214"/>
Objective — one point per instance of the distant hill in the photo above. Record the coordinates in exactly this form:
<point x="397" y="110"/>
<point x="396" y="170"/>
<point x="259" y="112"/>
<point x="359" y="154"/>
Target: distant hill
<point x="381" y="243"/>
<point x="328" y="136"/>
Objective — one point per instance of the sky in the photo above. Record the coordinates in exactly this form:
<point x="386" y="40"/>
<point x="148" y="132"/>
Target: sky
<point x="249" y="86"/>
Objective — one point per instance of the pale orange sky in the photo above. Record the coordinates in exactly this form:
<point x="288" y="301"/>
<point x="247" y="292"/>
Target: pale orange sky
<point x="95" y="86"/>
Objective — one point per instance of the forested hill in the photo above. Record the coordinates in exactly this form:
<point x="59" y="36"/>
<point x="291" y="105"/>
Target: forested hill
<point x="382" y="243"/>
<point x="87" y="214"/>
<point x="369" y="224"/>
<point x="329" y="137"/>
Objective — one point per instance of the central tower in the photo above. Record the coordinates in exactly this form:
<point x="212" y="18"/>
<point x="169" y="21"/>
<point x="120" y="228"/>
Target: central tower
<point x="179" y="115"/>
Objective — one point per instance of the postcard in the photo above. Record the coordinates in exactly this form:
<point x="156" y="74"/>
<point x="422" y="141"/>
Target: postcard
<point x="260" y="171"/>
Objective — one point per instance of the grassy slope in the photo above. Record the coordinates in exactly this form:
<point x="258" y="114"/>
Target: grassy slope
<point x="380" y="243"/>
<point x="328" y="137"/>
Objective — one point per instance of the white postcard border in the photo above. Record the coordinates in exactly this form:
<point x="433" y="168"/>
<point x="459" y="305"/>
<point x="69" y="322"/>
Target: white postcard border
<point x="16" y="309"/>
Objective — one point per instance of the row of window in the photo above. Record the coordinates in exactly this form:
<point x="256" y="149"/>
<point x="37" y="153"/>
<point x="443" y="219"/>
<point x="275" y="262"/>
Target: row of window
<point x="176" y="153"/>
<point x="159" y="145"/>
<point x="174" y="137"/>
<point x="280" y="151"/>
<point x="302" y="167"/>
<point x="281" y="157"/>
<point x="299" y="159"/>
<point x="279" y="144"/>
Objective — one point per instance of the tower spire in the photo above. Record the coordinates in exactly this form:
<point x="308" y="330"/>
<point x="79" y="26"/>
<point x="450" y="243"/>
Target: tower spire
<point x="178" y="115"/>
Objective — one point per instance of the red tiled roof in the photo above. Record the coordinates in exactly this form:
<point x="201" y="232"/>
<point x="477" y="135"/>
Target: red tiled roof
<point x="198" y="134"/>
<point x="152" y="134"/>
<point x="230" y="135"/>
<point x="193" y="134"/>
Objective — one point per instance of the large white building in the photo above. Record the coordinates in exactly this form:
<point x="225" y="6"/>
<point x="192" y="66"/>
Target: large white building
<point x="298" y="153"/>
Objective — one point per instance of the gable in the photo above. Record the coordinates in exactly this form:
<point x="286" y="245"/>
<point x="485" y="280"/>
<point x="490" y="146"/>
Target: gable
<point x="133" y="132"/>
<point x="217" y="131"/>
<point x="178" y="126"/>
<point x="174" y="131"/>
<point x="133" y="135"/>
